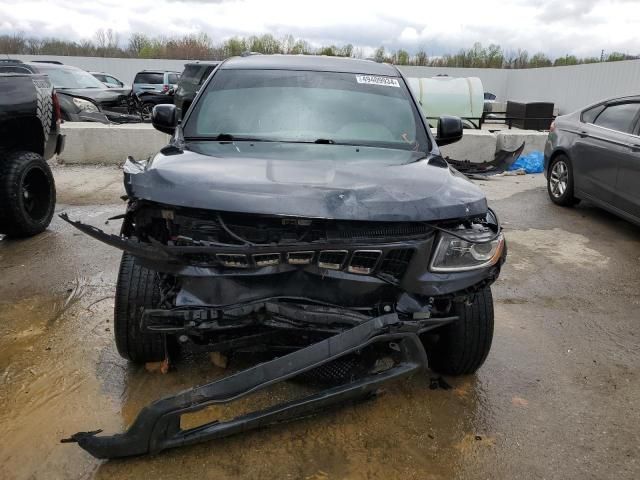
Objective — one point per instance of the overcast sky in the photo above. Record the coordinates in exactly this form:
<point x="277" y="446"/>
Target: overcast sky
<point x="555" y="27"/>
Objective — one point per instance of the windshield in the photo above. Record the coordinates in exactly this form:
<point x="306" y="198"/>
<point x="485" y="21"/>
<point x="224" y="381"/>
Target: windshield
<point x="300" y="106"/>
<point x="71" y="78"/>
<point x="149" y="78"/>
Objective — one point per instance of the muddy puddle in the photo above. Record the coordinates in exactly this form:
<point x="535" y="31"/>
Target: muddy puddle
<point x="61" y="374"/>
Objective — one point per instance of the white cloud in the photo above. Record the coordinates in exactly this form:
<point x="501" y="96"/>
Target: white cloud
<point x="556" y="27"/>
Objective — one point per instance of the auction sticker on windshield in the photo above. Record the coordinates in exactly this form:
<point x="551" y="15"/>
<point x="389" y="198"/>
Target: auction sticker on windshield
<point x="372" y="80"/>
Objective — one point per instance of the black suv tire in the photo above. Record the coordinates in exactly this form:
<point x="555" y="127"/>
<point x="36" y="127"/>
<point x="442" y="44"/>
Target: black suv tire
<point x="137" y="288"/>
<point x="27" y="194"/>
<point x="461" y="347"/>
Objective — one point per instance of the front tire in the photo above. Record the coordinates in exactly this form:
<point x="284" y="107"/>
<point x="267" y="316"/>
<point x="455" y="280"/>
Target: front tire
<point x="27" y="194"/>
<point x="137" y="288"/>
<point x="145" y="111"/>
<point x="560" y="181"/>
<point x="461" y="348"/>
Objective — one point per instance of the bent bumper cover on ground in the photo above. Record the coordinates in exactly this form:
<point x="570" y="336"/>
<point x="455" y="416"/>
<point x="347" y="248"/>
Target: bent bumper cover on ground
<point x="157" y="427"/>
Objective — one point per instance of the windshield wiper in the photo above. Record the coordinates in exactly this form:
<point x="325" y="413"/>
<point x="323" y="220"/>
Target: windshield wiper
<point x="227" y="137"/>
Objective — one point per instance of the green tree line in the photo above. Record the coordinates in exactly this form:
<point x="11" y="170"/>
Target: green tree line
<point x="106" y="43"/>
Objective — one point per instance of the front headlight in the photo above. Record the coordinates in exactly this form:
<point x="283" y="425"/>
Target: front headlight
<point x="454" y="254"/>
<point x="85" y="105"/>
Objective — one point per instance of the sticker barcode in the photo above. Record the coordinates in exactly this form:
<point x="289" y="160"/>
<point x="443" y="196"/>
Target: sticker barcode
<point x="373" y="80"/>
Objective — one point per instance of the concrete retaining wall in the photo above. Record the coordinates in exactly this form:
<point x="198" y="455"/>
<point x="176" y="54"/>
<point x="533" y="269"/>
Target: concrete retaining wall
<point x="512" y="139"/>
<point x="475" y="146"/>
<point x="95" y="143"/>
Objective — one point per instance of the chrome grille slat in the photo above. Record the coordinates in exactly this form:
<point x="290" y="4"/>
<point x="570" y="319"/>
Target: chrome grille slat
<point x="364" y="262"/>
<point x="300" y="258"/>
<point x="392" y="262"/>
<point x="332" y="259"/>
<point x="266" y="259"/>
<point x="233" y="260"/>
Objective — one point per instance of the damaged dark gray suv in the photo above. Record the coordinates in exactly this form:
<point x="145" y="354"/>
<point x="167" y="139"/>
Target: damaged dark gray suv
<point x="302" y="208"/>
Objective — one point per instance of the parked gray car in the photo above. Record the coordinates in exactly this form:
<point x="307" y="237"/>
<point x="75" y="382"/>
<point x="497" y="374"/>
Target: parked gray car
<point x="159" y="81"/>
<point x="594" y="154"/>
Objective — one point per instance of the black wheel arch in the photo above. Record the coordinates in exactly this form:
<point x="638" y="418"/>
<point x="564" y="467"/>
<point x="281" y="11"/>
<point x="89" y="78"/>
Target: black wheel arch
<point x="23" y="133"/>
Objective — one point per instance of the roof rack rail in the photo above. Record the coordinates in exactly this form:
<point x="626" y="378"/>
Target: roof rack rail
<point x="10" y="61"/>
<point x="55" y="62"/>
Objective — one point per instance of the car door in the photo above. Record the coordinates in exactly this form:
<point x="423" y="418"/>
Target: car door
<point x="602" y="143"/>
<point x="628" y="181"/>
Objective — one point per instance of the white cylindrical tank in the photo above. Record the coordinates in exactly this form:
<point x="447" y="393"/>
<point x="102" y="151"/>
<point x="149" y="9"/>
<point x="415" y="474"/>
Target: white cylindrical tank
<point x="444" y="95"/>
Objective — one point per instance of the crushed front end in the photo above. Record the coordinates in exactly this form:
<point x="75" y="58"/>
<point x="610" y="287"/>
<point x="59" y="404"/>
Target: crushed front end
<point x="329" y="297"/>
<point x="235" y="280"/>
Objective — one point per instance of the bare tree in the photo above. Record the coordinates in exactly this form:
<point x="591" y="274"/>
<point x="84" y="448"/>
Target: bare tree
<point x="200" y="46"/>
<point x="137" y="42"/>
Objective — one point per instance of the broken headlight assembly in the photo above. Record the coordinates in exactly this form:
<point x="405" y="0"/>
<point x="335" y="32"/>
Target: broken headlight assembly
<point x="85" y="105"/>
<point x="477" y="246"/>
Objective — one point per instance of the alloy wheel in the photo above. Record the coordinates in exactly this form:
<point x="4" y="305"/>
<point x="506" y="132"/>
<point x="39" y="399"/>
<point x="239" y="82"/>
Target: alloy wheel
<point x="559" y="178"/>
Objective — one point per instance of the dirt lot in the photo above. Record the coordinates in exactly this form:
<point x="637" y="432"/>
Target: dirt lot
<point x="559" y="396"/>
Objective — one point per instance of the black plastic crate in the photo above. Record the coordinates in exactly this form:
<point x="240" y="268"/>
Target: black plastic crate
<point x="531" y="115"/>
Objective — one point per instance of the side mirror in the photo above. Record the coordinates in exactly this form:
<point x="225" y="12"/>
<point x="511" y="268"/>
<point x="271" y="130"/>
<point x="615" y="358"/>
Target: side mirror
<point x="449" y="130"/>
<point x="164" y="118"/>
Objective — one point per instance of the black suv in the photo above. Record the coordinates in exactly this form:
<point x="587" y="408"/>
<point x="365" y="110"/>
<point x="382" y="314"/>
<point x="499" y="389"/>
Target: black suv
<point x="302" y="208"/>
<point x="192" y="78"/>
<point x="29" y="134"/>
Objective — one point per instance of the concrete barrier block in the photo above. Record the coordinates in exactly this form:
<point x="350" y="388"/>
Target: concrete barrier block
<point x="512" y="139"/>
<point x="475" y="146"/>
<point x="94" y="143"/>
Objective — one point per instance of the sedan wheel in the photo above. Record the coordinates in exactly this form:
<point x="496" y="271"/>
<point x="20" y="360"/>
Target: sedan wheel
<point x="560" y="181"/>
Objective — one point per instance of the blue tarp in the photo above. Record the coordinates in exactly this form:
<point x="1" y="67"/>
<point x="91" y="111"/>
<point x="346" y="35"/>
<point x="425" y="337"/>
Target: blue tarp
<point x="532" y="162"/>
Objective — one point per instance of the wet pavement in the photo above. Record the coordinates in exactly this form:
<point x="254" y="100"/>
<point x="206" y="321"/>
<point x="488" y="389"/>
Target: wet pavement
<point x="559" y="395"/>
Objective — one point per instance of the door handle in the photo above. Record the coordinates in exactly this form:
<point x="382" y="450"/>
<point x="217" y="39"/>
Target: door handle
<point x="583" y="133"/>
<point x="635" y="148"/>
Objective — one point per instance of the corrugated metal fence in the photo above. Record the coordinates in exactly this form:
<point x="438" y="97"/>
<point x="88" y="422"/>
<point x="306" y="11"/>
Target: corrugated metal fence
<point x="574" y="87"/>
<point x="568" y="87"/>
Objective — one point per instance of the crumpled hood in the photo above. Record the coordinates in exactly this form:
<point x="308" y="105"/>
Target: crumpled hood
<point x="321" y="181"/>
<point x="99" y="95"/>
